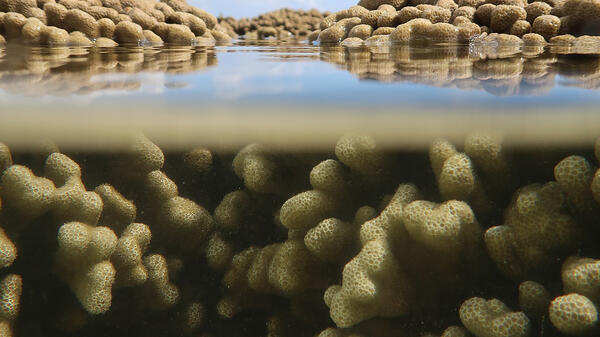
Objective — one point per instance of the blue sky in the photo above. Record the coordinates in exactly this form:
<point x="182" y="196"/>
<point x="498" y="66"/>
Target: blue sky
<point x="250" y="8"/>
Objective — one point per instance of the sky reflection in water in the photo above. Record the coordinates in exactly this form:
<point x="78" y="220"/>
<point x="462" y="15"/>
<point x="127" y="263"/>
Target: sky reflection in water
<point x="298" y="74"/>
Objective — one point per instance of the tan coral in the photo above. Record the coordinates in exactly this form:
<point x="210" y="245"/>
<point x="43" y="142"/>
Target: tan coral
<point x="449" y="227"/>
<point x="305" y="210"/>
<point x="504" y="16"/>
<point x="127" y="256"/>
<point x="547" y="26"/>
<point x="373" y="285"/>
<point x="11" y="288"/>
<point x="8" y="250"/>
<point x="534" y="299"/>
<point x="332" y="240"/>
<point x="536" y="230"/>
<point x="118" y="212"/>
<point x="5" y="158"/>
<point x="574" y="174"/>
<point x="183" y="224"/>
<point x="129" y="32"/>
<point x="78" y="20"/>
<point x="198" y="160"/>
<point x="492" y="318"/>
<point x="158" y="291"/>
<point x="26" y="193"/>
<point x="330" y="176"/>
<point x="229" y="214"/>
<point x="196" y="25"/>
<point x="573" y="314"/>
<point x="219" y="252"/>
<point x="290" y="271"/>
<point x="82" y="261"/>
<point x="158" y="188"/>
<point x="360" y="153"/>
<point x="582" y="276"/>
<point x="93" y="287"/>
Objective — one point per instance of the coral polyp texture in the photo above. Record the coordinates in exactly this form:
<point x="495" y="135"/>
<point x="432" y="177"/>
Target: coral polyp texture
<point x="462" y="22"/>
<point x="477" y="238"/>
<point x="88" y="23"/>
<point x="281" y="24"/>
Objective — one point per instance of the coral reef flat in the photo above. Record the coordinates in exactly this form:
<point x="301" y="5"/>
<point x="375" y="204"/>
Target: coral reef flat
<point x="406" y="168"/>
<point x="469" y="238"/>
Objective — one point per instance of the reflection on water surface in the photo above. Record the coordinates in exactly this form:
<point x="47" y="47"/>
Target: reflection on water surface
<point x="64" y="71"/>
<point x="504" y="71"/>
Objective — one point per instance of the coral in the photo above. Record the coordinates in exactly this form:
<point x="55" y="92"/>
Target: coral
<point x="455" y="331"/>
<point x="457" y="178"/>
<point x="71" y="201"/>
<point x="360" y="153"/>
<point x="536" y="9"/>
<point x="29" y="195"/>
<point x="152" y="38"/>
<point x="581" y="276"/>
<point x="536" y="228"/>
<point x="375" y="4"/>
<point x="448" y="227"/>
<point x="8" y="251"/>
<point x="373" y="285"/>
<point x="78" y="20"/>
<point x="158" y="188"/>
<point x="158" y="292"/>
<point x="361" y="31"/>
<point x="547" y="26"/>
<point x="332" y="240"/>
<point x="140" y="17"/>
<point x="5" y="158"/>
<point x="503" y="17"/>
<point x="229" y="214"/>
<point x="492" y="318"/>
<point x="219" y="252"/>
<point x="117" y="212"/>
<point x="82" y="261"/>
<point x="93" y="287"/>
<point x="197" y="26"/>
<point x="290" y="270"/>
<point x="534" y="299"/>
<point x="573" y="314"/>
<point x="183" y="224"/>
<point x="127" y="256"/>
<point x="199" y="161"/>
<point x="129" y="32"/>
<point x="330" y="176"/>
<point x="192" y="317"/>
<point x="11" y="287"/>
<point x="305" y="210"/>
<point x="574" y="174"/>
<point x="13" y="24"/>
<point x="520" y="28"/>
<point x="54" y="36"/>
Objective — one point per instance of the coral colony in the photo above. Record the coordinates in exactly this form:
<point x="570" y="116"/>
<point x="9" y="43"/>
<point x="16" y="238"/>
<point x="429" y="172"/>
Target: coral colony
<point x="473" y="239"/>
<point x="477" y="241"/>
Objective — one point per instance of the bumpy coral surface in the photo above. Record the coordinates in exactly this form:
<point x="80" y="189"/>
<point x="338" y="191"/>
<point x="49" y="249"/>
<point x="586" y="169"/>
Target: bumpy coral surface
<point x="281" y="24"/>
<point x="266" y="243"/>
<point x="449" y="21"/>
<point x="83" y="23"/>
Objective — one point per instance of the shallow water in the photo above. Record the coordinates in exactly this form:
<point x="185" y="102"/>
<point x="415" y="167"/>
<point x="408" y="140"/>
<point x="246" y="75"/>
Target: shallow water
<point x="529" y="109"/>
<point x="270" y="86"/>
